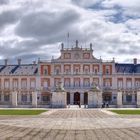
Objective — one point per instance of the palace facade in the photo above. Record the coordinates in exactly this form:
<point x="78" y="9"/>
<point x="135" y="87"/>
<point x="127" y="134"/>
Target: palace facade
<point x="80" y="73"/>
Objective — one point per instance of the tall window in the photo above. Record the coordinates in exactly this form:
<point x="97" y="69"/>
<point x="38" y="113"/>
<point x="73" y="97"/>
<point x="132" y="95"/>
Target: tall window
<point x="24" y="98"/>
<point x="6" y="97"/>
<point x="45" y="84"/>
<point x="6" y="84"/>
<point x="77" y="83"/>
<point x="137" y="84"/>
<point x="107" y="70"/>
<point x="23" y="84"/>
<point x="128" y="98"/>
<point x="86" y="83"/>
<point x="45" y="72"/>
<point x="15" y="84"/>
<point x="120" y="84"/>
<point x="128" y="84"/>
<point x="32" y="84"/>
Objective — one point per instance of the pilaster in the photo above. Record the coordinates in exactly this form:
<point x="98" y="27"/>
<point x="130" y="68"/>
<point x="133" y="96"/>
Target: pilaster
<point x="138" y="98"/>
<point x="14" y="99"/>
<point x="119" y="99"/>
<point x="34" y="99"/>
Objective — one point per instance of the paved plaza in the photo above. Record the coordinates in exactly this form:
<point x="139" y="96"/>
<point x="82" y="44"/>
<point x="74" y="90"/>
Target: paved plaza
<point x="70" y="124"/>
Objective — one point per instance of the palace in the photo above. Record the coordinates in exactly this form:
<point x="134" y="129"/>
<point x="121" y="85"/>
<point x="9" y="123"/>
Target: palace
<point x="75" y="77"/>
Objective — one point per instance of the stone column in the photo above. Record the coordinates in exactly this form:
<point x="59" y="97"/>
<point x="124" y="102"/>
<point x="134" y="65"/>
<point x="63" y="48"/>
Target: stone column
<point x="82" y="98"/>
<point x="81" y="69"/>
<point x="28" y="84"/>
<point x="124" y="98"/>
<point x="19" y="97"/>
<point x="72" y="69"/>
<point x="138" y="99"/>
<point x="133" y="98"/>
<point x="71" y="98"/>
<point x="119" y="99"/>
<point x="34" y="99"/>
<point x="11" y="83"/>
<point x="99" y="98"/>
<point x="14" y="99"/>
<point x="2" y="97"/>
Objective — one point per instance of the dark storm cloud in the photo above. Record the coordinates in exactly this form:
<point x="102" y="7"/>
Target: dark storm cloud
<point x="43" y="24"/>
<point x="2" y="2"/>
<point x="9" y="17"/>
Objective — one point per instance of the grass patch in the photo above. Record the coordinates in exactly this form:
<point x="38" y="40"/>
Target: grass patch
<point x="21" y="112"/>
<point x="127" y="112"/>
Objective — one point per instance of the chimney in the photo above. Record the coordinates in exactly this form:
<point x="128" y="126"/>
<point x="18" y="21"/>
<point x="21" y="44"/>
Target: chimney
<point x="135" y="61"/>
<point x="19" y="61"/>
<point x="6" y="62"/>
<point x="76" y="43"/>
<point x="90" y="46"/>
<point x="62" y="46"/>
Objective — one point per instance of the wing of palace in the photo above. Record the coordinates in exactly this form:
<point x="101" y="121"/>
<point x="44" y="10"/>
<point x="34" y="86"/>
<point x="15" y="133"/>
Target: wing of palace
<point x="81" y="75"/>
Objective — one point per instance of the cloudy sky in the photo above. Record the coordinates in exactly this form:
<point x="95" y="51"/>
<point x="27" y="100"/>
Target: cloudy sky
<point x="30" y="29"/>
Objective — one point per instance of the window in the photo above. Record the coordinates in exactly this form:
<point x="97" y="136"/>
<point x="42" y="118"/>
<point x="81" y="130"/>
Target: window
<point x="86" y="83"/>
<point x="45" y="84"/>
<point x="128" y="98"/>
<point x="76" y="71"/>
<point x="137" y="84"/>
<point x="23" y="84"/>
<point x="32" y="84"/>
<point x="67" y="83"/>
<point x="128" y="84"/>
<point x="7" y="84"/>
<point x="30" y="97"/>
<point x="107" y="71"/>
<point x="6" y="98"/>
<point x="15" y="84"/>
<point x="120" y="84"/>
<point x="57" y="71"/>
<point x="24" y="98"/>
<point x="107" y="83"/>
<point x="96" y="71"/>
<point x="76" y="83"/>
<point x="45" y="98"/>
<point x="45" y="72"/>
<point x="67" y="71"/>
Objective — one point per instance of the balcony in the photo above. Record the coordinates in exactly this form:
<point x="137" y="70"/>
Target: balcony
<point x="76" y="87"/>
<point x="77" y="73"/>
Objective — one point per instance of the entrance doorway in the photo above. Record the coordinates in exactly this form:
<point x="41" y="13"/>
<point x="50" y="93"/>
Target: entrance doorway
<point x="68" y="98"/>
<point x="76" y="98"/>
<point x="85" y="98"/>
<point x="107" y="97"/>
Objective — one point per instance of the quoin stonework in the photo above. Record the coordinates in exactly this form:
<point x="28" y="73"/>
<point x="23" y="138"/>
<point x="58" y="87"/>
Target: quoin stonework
<point x="75" y="77"/>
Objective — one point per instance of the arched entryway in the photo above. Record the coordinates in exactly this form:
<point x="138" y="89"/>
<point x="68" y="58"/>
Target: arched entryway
<point x="68" y="98"/>
<point x="85" y="98"/>
<point x="76" y="98"/>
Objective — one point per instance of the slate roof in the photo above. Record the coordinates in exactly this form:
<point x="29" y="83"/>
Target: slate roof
<point x="25" y="69"/>
<point x="127" y="68"/>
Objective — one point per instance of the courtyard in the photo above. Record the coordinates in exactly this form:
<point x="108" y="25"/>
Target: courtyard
<point x="70" y="124"/>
